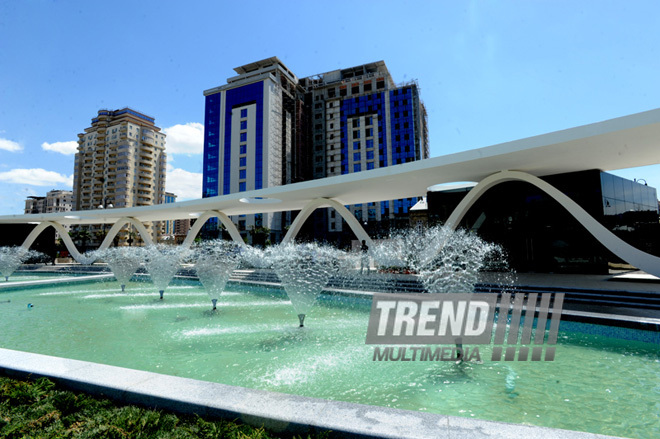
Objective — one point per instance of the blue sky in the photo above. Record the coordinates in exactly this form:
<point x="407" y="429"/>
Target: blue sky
<point x="489" y="71"/>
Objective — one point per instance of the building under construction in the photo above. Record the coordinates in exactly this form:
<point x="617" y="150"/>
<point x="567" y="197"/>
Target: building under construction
<point x="266" y="127"/>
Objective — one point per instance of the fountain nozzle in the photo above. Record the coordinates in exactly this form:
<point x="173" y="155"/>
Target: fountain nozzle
<point x="123" y="287"/>
<point x="215" y="301"/>
<point x="6" y="278"/>
<point x="161" y="294"/>
<point x="301" y="317"/>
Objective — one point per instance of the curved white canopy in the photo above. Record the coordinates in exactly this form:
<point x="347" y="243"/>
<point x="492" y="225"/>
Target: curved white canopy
<point x="620" y="143"/>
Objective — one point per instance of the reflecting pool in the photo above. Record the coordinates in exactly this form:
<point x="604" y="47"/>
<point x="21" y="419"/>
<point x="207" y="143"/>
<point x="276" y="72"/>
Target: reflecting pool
<point x="596" y="383"/>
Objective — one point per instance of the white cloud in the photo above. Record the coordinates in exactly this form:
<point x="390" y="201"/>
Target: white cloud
<point x="37" y="177"/>
<point x="185" y="139"/>
<point x="66" y="148"/>
<point x="10" y="145"/>
<point x="186" y="185"/>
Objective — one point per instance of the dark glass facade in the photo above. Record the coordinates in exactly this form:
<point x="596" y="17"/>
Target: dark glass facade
<point x="539" y="235"/>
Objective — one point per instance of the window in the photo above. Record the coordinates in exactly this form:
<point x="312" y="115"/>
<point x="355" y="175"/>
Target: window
<point x="342" y="91"/>
<point x="241" y="186"/>
<point x="242" y="174"/>
<point x="367" y="86"/>
<point x="243" y="137"/>
<point x="370" y="120"/>
<point x="370" y="132"/>
<point x="356" y="134"/>
<point x="380" y="84"/>
<point x="331" y="92"/>
<point x="242" y="161"/>
<point x="356" y="123"/>
<point x="244" y="124"/>
<point x="356" y="144"/>
<point x="370" y="155"/>
<point x="357" y="167"/>
<point x="355" y="89"/>
<point x="243" y="149"/>
<point x="244" y="112"/>
<point x="370" y="165"/>
<point x="356" y="157"/>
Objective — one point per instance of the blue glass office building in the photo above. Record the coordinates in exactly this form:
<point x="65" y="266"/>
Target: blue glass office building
<point x="248" y="138"/>
<point x="266" y="128"/>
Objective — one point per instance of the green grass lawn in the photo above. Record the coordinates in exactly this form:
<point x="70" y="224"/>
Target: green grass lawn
<point x="39" y="409"/>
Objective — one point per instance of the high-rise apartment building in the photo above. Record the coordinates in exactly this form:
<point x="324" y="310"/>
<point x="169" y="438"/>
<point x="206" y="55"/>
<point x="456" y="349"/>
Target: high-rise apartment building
<point x="54" y="201"/>
<point x="266" y="127"/>
<point x="120" y="162"/>
<point x="167" y="231"/>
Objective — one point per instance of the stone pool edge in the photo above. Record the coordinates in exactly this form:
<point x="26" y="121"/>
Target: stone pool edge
<point x="276" y="411"/>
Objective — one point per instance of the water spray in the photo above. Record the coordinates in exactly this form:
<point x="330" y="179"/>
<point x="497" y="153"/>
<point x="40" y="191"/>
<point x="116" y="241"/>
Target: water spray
<point x="459" y="349"/>
<point x="510" y="382"/>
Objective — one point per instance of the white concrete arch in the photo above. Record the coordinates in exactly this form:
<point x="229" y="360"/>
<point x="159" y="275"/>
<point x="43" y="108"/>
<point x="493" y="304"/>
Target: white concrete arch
<point x="64" y="235"/>
<point x="224" y="219"/>
<point x="310" y="207"/>
<point x="643" y="261"/>
<point x="116" y="227"/>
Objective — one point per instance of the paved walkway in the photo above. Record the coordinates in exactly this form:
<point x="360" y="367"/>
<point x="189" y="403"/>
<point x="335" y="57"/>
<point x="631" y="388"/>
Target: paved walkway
<point x="625" y="281"/>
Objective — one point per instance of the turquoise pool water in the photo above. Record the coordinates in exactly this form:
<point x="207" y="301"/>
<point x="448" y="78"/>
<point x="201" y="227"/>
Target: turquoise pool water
<point x="26" y="276"/>
<point x="596" y="383"/>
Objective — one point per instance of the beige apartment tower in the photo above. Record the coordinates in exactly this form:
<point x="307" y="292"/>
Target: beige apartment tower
<point x="120" y="162"/>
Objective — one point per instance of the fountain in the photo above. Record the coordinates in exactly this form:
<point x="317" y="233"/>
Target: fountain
<point x="12" y="257"/>
<point x="215" y="261"/>
<point x="88" y="257"/>
<point x="333" y="361"/>
<point x="162" y="262"/>
<point x="445" y="260"/>
<point x="304" y="270"/>
<point x="123" y="261"/>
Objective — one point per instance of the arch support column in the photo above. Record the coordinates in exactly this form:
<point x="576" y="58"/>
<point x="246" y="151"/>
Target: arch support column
<point x="224" y="219"/>
<point x="64" y="234"/>
<point x="350" y="219"/>
<point x="116" y="227"/>
<point x="642" y="260"/>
